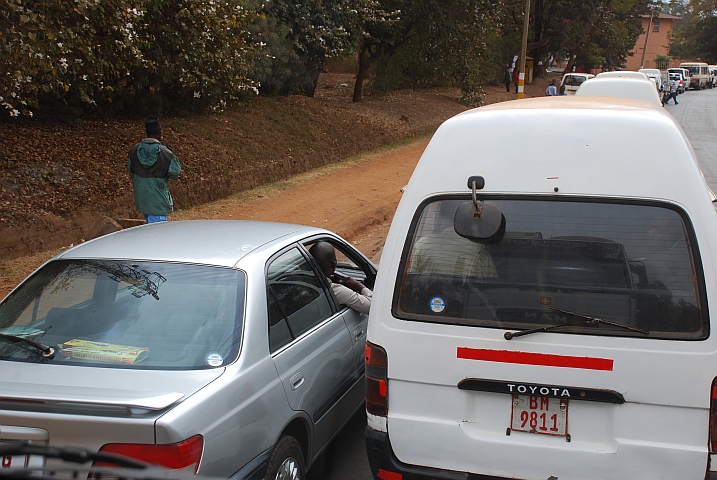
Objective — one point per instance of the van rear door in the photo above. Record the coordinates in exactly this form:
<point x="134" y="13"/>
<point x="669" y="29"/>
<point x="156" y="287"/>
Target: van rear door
<point x="571" y="348"/>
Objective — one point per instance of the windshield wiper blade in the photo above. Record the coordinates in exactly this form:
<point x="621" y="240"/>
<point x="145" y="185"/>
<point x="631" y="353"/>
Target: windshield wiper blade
<point x="47" y="351"/>
<point x="69" y="454"/>
<point x="589" y="320"/>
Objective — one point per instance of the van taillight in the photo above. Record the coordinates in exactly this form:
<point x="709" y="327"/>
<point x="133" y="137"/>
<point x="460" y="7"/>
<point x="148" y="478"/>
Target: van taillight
<point x="183" y="456"/>
<point x="376" y="380"/>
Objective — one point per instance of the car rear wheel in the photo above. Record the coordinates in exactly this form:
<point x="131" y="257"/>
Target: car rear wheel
<point x="287" y="461"/>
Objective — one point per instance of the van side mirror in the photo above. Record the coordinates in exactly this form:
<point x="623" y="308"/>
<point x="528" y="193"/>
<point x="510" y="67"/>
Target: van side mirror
<point x="477" y="221"/>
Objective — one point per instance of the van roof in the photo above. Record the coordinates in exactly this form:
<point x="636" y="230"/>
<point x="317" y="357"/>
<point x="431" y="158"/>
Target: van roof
<point x="624" y="87"/>
<point x="578" y="145"/>
<point x="621" y="74"/>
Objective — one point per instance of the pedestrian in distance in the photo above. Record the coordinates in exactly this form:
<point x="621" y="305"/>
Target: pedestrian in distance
<point x="151" y="165"/>
<point x="673" y="92"/>
<point x="551" y="91"/>
<point x="561" y="92"/>
<point x="516" y="79"/>
<point x="506" y="78"/>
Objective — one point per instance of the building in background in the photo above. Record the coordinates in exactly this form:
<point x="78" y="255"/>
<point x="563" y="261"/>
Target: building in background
<point x="658" y="32"/>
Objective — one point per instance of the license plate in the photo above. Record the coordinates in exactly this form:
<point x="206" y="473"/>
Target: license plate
<point x="14" y="461"/>
<point x="548" y="416"/>
<point x="8" y="462"/>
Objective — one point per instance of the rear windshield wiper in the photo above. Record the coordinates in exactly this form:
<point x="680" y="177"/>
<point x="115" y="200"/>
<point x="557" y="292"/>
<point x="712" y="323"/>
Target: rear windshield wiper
<point x="588" y="320"/>
<point x="46" y="351"/>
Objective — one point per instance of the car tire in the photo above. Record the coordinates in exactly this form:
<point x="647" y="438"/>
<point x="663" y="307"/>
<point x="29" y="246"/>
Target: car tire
<point x="287" y="461"/>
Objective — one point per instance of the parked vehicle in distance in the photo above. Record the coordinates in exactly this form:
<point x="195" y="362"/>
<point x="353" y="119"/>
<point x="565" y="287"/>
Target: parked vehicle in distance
<point x="215" y="347"/>
<point x="713" y="74"/>
<point x="685" y="75"/>
<point x="622" y="74"/>
<point x="699" y="74"/>
<point x="547" y="316"/>
<point x="656" y="75"/>
<point x="622" y="87"/>
<point x="571" y="81"/>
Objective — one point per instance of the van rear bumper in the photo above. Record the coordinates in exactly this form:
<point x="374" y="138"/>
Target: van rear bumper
<point x="385" y="465"/>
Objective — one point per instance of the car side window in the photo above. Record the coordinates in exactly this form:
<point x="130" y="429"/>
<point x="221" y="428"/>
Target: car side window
<point x="347" y="263"/>
<point x="297" y="300"/>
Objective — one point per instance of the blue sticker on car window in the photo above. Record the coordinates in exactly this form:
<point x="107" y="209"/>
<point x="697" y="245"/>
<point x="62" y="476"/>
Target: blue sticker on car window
<point x="214" y="360"/>
<point x="438" y="304"/>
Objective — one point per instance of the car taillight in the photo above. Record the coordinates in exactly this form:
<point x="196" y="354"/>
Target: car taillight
<point x="376" y="380"/>
<point x="182" y="456"/>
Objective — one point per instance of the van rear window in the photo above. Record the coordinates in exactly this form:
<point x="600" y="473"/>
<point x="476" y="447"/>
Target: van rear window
<point x="558" y="262"/>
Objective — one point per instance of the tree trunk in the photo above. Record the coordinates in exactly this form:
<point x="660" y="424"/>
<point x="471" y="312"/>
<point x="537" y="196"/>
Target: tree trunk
<point x="364" y="62"/>
<point x="311" y="91"/>
<point x="539" y="15"/>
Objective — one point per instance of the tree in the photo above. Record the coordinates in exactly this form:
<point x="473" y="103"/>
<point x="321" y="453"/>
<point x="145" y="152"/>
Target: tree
<point x="697" y="36"/>
<point x="195" y="50"/>
<point x="96" y="52"/>
<point x="317" y="29"/>
<point x="75" y="48"/>
<point x="428" y="42"/>
<point x="598" y="33"/>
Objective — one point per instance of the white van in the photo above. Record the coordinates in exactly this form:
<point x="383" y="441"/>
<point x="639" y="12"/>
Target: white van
<point x="543" y="312"/>
<point x="571" y="81"/>
<point x="622" y="87"/>
<point x="699" y="74"/>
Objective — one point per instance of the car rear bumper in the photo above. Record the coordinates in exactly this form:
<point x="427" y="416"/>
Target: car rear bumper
<point x="385" y="465"/>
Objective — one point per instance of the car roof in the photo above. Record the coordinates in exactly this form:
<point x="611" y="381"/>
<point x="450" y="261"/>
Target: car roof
<point x="633" y="88"/>
<point x="211" y="242"/>
<point x="563" y="146"/>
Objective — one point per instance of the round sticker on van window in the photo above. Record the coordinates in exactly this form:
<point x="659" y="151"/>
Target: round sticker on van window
<point x="214" y="360"/>
<point x="438" y="304"/>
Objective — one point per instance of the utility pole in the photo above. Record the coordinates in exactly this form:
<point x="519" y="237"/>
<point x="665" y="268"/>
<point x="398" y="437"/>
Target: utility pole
<point x="524" y="49"/>
<point x="647" y="37"/>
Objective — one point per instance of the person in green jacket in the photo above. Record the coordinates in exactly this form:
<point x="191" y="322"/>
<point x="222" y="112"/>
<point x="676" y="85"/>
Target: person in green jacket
<point x="151" y="165"/>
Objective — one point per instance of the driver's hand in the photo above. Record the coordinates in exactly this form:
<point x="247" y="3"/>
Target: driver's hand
<point x="354" y="285"/>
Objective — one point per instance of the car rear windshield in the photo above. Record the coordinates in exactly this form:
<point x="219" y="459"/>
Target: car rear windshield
<point x="557" y="262"/>
<point x="574" y="80"/>
<point x="693" y="70"/>
<point x="147" y="315"/>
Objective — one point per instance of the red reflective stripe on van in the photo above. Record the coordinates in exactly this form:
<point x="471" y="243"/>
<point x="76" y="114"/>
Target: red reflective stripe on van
<point x="714" y="392"/>
<point x="386" y="475"/>
<point x="543" y="359"/>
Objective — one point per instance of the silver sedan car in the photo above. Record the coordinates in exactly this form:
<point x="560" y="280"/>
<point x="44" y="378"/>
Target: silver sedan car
<point x="215" y="347"/>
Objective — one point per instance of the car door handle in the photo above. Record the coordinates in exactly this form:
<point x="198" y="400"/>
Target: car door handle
<point x="297" y="381"/>
<point x="358" y="334"/>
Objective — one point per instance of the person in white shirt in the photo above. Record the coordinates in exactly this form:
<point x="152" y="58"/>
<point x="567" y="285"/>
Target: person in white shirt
<point x="673" y="92"/>
<point x="551" y="91"/>
<point x="348" y="292"/>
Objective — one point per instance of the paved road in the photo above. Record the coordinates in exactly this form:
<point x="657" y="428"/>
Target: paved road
<point x="697" y="114"/>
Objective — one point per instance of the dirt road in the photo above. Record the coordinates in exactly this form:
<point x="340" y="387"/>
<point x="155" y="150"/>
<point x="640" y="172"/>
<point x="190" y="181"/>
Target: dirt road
<point x="355" y="198"/>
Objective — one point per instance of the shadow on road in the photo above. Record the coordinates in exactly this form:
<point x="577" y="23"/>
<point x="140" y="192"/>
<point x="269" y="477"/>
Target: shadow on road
<point x="345" y="458"/>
